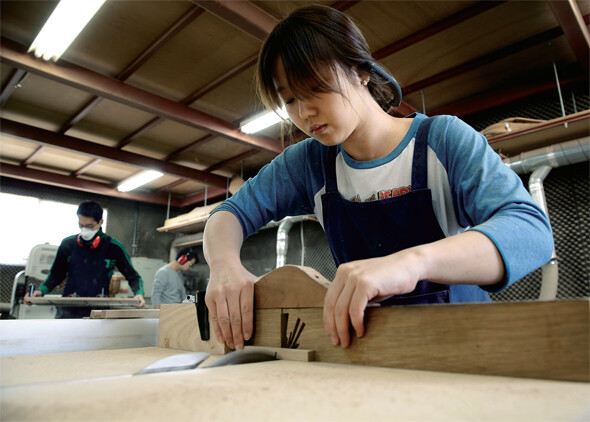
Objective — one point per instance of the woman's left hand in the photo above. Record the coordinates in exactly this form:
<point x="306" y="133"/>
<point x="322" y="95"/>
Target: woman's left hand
<point x="359" y="282"/>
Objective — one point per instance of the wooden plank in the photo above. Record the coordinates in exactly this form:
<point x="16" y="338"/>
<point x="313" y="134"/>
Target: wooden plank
<point x="297" y="355"/>
<point x="546" y="340"/>
<point x="179" y="329"/>
<point x="545" y="134"/>
<point x="99" y="302"/>
<point x="298" y="391"/>
<point x="124" y="313"/>
<point x="290" y="286"/>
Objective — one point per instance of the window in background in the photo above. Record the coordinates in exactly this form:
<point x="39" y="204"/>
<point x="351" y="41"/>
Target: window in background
<point x="27" y="221"/>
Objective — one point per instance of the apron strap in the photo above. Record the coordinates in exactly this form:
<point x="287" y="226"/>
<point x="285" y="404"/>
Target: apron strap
<point x="331" y="185"/>
<point x="419" y="163"/>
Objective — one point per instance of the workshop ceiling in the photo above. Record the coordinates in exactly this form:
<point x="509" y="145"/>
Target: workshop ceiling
<point x="164" y="84"/>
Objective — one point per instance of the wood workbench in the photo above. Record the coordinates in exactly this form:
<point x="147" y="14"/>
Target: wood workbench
<point x="98" y="385"/>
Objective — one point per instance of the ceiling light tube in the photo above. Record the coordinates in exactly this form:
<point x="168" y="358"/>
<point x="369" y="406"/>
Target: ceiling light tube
<point x="138" y="180"/>
<point x="262" y="121"/>
<point x="63" y="26"/>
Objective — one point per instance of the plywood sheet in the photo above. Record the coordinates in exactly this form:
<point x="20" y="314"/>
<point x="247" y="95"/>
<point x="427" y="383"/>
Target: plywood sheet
<point x="53" y="367"/>
<point x="297" y="391"/>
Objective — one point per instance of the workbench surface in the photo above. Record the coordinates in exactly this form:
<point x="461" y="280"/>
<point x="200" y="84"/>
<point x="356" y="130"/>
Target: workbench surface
<point x="98" y="385"/>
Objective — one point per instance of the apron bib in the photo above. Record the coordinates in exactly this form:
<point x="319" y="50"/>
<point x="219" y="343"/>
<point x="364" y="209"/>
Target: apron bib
<point x="362" y="230"/>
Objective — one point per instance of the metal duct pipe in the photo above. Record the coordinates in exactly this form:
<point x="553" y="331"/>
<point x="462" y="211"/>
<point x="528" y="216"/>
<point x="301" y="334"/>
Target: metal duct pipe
<point x="565" y="153"/>
<point x="550" y="269"/>
<point x="283" y="237"/>
<point x="540" y="161"/>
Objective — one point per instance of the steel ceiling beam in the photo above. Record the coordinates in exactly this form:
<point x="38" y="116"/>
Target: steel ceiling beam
<point x="484" y="60"/>
<point x="71" y="182"/>
<point x="572" y="22"/>
<point x="244" y="15"/>
<point x="17" y="76"/>
<point x="152" y="49"/>
<point x="212" y="193"/>
<point x="431" y="30"/>
<point x="15" y="55"/>
<point x="505" y="95"/>
<point x="46" y="137"/>
<point x="250" y="61"/>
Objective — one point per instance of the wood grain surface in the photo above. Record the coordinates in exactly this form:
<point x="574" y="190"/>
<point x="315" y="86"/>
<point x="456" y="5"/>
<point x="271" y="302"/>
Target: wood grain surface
<point x="179" y="329"/>
<point x="546" y="340"/>
<point x="290" y="286"/>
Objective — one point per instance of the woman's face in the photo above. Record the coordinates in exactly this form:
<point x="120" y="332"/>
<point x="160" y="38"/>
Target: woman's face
<point x="329" y="117"/>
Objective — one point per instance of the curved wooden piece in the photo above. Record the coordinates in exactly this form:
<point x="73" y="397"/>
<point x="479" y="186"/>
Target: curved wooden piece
<point x="291" y="286"/>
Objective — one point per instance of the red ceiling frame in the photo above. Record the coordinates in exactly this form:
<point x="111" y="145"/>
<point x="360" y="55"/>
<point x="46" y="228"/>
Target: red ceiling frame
<point x="574" y="27"/>
<point x="71" y="182"/>
<point x="46" y="137"/>
<point x="15" y="55"/>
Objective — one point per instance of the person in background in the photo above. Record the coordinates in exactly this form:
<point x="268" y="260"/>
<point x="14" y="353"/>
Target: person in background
<point x="168" y="284"/>
<point x="416" y="209"/>
<point x="88" y="260"/>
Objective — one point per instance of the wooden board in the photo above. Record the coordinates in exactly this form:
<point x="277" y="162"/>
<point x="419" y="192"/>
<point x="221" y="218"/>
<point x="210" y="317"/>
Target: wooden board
<point x="124" y="313"/>
<point x="546" y="340"/>
<point x="297" y="391"/>
<point x="99" y="302"/>
<point x="544" y="134"/>
<point x="290" y="286"/>
<point x="179" y="329"/>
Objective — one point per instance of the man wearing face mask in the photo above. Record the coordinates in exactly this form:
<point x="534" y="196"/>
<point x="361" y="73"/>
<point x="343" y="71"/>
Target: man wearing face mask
<point x="88" y="260"/>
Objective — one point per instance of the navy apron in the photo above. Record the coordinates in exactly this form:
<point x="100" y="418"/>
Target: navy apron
<point x="88" y="276"/>
<point x="362" y="230"/>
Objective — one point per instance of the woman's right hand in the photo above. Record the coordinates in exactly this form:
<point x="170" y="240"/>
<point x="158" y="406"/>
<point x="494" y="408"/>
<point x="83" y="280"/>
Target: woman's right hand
<point x="230" y="300"/>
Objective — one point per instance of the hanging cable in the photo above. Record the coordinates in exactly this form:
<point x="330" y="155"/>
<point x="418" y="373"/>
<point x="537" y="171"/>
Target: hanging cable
<point x="423" y="102"/>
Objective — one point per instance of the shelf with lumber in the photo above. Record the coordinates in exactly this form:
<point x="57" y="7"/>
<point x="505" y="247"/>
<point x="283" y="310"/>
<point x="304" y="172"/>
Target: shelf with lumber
<point x="545" y="133"/>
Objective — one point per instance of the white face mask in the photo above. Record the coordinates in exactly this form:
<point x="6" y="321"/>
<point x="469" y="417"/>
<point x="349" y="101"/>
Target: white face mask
<point x="87" y="234"/>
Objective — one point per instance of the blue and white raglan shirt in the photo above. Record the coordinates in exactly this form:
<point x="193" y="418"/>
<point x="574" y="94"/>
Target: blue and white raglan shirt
<point x="472" y="189"/>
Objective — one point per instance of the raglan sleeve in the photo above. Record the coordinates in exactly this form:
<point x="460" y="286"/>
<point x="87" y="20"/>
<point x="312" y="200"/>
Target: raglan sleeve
<point x="490" y="198"/>
<point x="280" y="188"/>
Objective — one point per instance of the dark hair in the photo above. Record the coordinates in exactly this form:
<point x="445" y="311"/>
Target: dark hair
<point x="90" y="209"/>
<point x="190" y="254"/>
<point x="314" y="43"/>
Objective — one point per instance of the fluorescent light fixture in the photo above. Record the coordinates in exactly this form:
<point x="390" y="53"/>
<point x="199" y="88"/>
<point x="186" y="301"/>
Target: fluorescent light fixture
<point x="63" y="26"/>
<point x="138" y="180"/>
<point x="262" y="121"/>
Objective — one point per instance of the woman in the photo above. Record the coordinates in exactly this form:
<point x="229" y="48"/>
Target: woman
<point x="416" y="209"/>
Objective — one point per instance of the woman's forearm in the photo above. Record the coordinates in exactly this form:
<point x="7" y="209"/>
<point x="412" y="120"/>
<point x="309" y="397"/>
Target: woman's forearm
<point x="468" y="258"/>
<point x="222" y="239"/>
